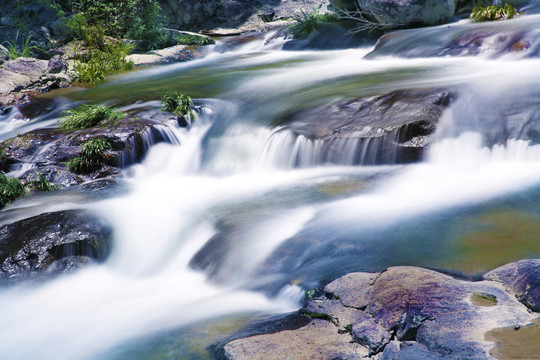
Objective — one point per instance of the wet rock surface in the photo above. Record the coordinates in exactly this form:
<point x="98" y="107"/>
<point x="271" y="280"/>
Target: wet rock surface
<point x="492" y="39"/>
<point x="53" y="242"/>
<point x="401" y="313"/>
<point x="391" y="128"/>
<point x="47" y="150"/>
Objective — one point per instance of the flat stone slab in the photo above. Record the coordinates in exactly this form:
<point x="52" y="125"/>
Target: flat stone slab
<point x="401" y="313"/>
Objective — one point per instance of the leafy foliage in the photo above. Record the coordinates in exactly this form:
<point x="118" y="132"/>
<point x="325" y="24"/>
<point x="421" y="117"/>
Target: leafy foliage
<point x="91" y="157"/>
<point x="93" y="66"/>
<point x="86" y="116"/>
<point x="307" y="23"/>
<point x="179" y="104"/>
<point x="41" y="184"/>
<point x="137" y="19"/>
<point x="188" y="39"/>
<point x="493" y="12"/>
<point x="10" y="189"/>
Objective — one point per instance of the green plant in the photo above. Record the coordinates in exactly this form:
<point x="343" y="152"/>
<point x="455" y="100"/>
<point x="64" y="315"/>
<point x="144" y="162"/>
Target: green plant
<point x="493" y="12"/>
<point x="93" y="66"/>
<point x="41" y="184"/>
<point x="91" y="157"/>
<point x="189" y="39"/>
<point x="10" y="189"/>
<point x="86" y="116"/>
<point x="178" y="104"/>
<point x="24" y="48"/>
<point x="307" y="23"/>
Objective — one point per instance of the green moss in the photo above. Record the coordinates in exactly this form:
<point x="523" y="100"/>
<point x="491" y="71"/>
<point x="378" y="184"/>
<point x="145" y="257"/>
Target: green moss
<point x="321" y="316"/>
<point x="86" y="116"/>
<point x="10" y="189"/>
<point x="91" y="157"/>
<point x="493" y="12"/>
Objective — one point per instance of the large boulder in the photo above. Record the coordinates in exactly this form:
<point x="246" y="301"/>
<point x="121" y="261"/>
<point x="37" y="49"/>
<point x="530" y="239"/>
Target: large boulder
<point x="24" y="77"/>
<point x="407" y="13"/>
<point x="386" y="129"/>
<point x="48" y="150"/>
<point x="53" y="242"/>
<point x="401" y="313"/>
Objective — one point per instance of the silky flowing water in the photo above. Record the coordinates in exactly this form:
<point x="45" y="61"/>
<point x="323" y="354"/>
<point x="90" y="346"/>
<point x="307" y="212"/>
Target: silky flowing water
<point x="272" y="230"/>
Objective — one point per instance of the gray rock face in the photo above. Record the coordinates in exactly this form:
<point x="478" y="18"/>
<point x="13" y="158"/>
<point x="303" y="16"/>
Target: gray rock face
<point x="392" y="128"/>
<point x="401" y="313"/>
<point x="521" y="278"/>
<point x="53" y="242"/>
<point x="404" y="13"/>
<point x="23" y="77"/>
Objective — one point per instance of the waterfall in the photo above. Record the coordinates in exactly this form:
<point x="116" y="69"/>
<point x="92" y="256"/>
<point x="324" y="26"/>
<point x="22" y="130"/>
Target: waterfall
<point x="233" y="218"/>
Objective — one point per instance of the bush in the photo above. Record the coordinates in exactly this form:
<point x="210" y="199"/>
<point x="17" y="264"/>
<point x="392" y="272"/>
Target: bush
<point x="91" y="157"/>
<point x="137" y="19"/>
<point x="86" y="116"/>
<point x="93" y="66"/>
<point x="10" y="189"/>
<point x="178" y="104"/>
<point x="493" y="12"/>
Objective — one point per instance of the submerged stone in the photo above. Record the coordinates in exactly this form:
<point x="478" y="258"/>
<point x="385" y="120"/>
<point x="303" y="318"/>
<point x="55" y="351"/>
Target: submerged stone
<point x="53" y="242"/>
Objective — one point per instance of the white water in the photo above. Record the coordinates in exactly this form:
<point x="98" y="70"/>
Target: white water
<point x="176" y="196"/>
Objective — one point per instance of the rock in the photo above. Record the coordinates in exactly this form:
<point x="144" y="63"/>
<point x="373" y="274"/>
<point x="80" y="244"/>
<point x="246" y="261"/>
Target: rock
<point x="56" y="65"/>
<point x="386" y="129"/>
<point x="408" y="313"/>
<point x="492" y="39"/>
<point x="168" y="55"/>
<point x="56" y="241"/>
<point x="24" y="77"/>
<point x="522" y="278"/>
<point x="371" y="335"/>
<point x="47" y="150"/>
<point x="409" y="13"/>
<point x="4" y="54"/>
<point x="328" y="37"/>
<point x="319" y="340"/>
<point x="27" y="66"/>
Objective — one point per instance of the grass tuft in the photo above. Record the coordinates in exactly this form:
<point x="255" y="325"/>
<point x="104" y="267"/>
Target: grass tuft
<point x="41" y="184"/>
<point x="86" y="116"/>
<point x="91" y="157"/>
<point x="188" y="39"/>
<point x="493" y="12"/>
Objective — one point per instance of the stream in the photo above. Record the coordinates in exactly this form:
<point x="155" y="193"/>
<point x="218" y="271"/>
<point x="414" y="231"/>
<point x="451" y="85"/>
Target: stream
<point x="237" y="220"/>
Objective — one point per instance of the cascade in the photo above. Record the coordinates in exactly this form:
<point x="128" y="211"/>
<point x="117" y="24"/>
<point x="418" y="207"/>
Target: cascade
<point x="233" y="218"/>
